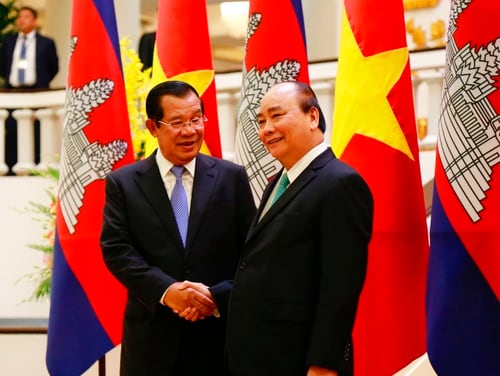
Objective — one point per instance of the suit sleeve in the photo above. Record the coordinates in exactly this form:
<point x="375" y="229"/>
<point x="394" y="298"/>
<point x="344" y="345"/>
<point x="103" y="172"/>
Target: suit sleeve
<point x="246" y="211"/>
<point x="52" y="60"/>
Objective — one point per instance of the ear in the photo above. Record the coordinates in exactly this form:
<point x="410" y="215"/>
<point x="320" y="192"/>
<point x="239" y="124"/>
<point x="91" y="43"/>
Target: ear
<point x="314" y="117"/>
<point x="151" y="125"/>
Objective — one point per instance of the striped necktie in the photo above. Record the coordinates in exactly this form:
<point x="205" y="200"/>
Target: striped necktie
<point x="282" y="186"/>
<point x="179" y="203"/>
<point x="22" y="58"/>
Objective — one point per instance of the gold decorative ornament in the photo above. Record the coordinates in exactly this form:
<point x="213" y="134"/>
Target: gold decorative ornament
<point x="422" y="127"/>
<point x="419" y="4"/>
<point x="419" y="34"/>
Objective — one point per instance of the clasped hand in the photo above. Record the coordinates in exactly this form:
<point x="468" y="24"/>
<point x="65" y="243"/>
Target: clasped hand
<point x="190" y="300"/>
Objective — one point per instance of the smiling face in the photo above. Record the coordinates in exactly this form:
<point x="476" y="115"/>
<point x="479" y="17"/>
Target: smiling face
<point x="285" y="129"/>
<point x="179" y="146"/>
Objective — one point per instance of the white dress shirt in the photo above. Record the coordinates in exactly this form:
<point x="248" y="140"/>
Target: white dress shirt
<point x="29" y="63"/>
<point x="169" y="179"/>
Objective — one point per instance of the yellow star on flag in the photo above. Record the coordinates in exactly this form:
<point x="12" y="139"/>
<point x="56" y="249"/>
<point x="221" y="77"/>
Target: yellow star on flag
<point x="361" y="104"/>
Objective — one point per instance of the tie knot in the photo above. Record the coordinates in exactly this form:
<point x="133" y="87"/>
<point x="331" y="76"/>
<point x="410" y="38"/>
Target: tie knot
<point x="284" y="181"/>
<point x="177" y="171"/>
<point x="282" y="186"/>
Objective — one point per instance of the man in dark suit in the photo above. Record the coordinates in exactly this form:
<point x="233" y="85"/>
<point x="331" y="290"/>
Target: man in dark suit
<point x="302" y="268"/>
<point x="28" y="60"/>
<point x="34" y="67"/>
<point x="178" y="289"/>
<point x="146" y="49"/>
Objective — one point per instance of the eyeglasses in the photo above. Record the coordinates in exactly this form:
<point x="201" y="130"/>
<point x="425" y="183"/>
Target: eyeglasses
<point x="197" y="122"/>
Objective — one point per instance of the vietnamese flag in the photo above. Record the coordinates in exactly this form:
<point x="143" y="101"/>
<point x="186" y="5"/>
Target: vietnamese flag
<point x="273" y="53"/>
<point x="87" y="302"/>
<point x="374" y="131"/>
<point x="183" y="52"/>
<point x="463" y="293"/>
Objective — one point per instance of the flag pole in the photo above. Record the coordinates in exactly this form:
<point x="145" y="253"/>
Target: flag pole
<point x="102" y="366"/>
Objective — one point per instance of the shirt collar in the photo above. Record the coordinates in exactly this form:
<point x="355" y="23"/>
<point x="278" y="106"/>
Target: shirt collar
<point x="165" y="165"/>
<point x="29" y="36"/>
<point x="303" y="162"/>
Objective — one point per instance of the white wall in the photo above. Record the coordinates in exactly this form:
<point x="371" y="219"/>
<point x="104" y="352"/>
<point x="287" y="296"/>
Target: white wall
<point x="17" y="230"/>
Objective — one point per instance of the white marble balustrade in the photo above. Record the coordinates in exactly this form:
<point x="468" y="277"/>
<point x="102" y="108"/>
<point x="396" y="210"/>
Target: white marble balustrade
<point x="25" y="107"/>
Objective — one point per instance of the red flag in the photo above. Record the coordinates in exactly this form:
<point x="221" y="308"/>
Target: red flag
<point x="183" y="52"/>
<point x="463" y="310"/>
<point x="273" y="54"/>
<point x="374" y="131"/>
<point x="87" y="302"/>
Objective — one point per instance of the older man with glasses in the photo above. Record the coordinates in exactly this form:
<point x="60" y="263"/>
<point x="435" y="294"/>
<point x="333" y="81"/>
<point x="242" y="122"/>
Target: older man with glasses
<point x="174" y="225"/>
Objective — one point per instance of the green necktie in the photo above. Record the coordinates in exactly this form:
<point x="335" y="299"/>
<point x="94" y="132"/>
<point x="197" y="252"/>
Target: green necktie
<point x="282" y="185"/>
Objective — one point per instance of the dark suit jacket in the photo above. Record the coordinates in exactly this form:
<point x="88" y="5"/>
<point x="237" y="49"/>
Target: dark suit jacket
<point x="300" y="275"/>
<point x="142" y="248"/>
<point x="146" y="49"/>
<point x="47" y="62"/>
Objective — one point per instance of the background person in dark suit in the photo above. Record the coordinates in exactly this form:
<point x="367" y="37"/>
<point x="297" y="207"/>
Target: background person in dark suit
<point x="32" y="68"/>
<point x="40" y="63"/>
<point x="303" y="265"/>
<point x="175" y="292"/>
<point x="146" y="49"/>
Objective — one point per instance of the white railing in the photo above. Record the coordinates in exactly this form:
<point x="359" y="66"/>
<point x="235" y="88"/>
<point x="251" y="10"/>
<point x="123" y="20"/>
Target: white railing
<point x="24" y="108"/>
<point x="47" y="107"/>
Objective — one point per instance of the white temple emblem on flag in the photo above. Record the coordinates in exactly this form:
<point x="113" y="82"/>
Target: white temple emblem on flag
<point x="83" y="161"/>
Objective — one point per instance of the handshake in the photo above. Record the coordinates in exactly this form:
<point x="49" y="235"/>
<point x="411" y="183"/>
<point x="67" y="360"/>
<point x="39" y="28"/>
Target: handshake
<point x="192" y="301"/>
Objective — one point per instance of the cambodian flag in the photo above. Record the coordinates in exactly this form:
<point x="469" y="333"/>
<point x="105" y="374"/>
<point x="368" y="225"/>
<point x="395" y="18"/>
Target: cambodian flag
<point x="274" y="53"/>
<point x="87" y="302"/>
<point x="463" y="309"/>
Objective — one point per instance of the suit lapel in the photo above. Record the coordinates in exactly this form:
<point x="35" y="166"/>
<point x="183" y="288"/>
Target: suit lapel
<point x="302" y="180"/>
<point x="151" y="184"/>
<point x="265" y="197"/>
<point x="205" y="180"/>
<point x="10" y="42"/>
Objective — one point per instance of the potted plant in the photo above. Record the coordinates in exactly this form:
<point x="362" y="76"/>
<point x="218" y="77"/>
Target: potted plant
<point x="8" y="14"/>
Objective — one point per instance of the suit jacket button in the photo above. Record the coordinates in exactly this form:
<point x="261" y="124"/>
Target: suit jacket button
<point x="186" y="271"/>
<point x="243" y="265"/>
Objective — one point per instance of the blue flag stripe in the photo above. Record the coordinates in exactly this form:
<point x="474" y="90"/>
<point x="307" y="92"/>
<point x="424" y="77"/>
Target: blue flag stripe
<point x="463" y="314"/>
<point x="68" y="351"/>
<point x="107" y="14"/>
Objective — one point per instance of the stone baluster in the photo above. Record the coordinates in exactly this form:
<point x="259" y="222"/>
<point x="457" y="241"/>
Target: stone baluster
<point x="25" y="142"/>
<point x="427" y="89"/>
<point x="4" y="114"/>
<point x="50" y="138"/>
<point x="435" y="82"/>
<point x="324" y="93"/>
<point x="227" y="107"/>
